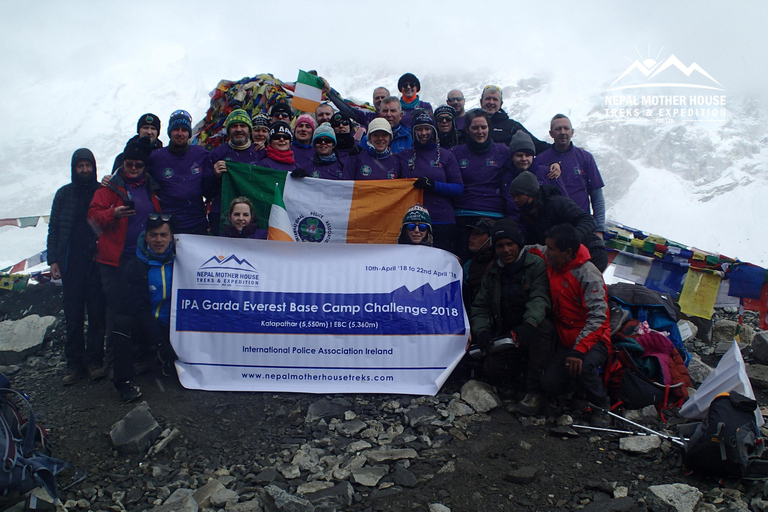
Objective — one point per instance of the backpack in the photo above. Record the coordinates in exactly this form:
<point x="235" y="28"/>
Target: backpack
<point x="728" y="440"/>
<point x="26" y="457"/>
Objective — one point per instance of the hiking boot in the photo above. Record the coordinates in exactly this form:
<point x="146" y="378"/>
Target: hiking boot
<point x="169" y="369"/>
<point x="96" y="373"/>
<point x="128" y="391"/>
<point x="530" y="404"/>
<point x="73" y="376"/>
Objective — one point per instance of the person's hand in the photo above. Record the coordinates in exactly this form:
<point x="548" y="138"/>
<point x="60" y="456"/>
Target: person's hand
<point x="105" y="180"/>
<point x="526" y="334"/>
<point x="573" y="365"/>
<point x="219" y="168"/>
<point x="124" y="211"/>
<point x="423" y="183"/>
<point x="326" y="85"/>
<point x="55" y="271"/>
<point x="554" y="171"/>
<point x="299" y="173"/>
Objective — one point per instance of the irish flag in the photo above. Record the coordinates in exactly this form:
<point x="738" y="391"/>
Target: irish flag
<point x="308" y="92"/>
<point x="316" y="210"/>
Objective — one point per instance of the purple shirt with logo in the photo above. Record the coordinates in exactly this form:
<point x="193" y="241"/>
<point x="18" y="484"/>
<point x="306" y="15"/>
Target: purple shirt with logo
<point x="367" y="167"/>
<point x="579" y="173"/>
<point x="440" y="172"/>
<point x="482" y="178"/>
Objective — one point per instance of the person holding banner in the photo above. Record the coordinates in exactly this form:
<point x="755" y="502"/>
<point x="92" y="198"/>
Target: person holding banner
<point x="145" y="318"/>
<point x="377" y="161"/>
<point x="509" y="316"/>
<point x="279" y="153"/>
<point x="242" y="221"/>
<point x="70" y="247"/>
<point x="417" y="227"/>
<point x="325" y="163"/>
<point x="437" y="174"/>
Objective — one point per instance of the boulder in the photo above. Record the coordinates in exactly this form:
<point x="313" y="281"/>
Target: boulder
<point x="369" y="477"/>
<point x="697" y="370"/>
<point x="479" y="396"/>
<point x="203" y="494"/>
<point x="758" y="375"/>
<point x="673" y="497"/>
<point x="279" y="500"/>
<point x="180" y="501"/>
<point x="324" y="409"/>
<point x="524" y="475"/>
<point x="422" y="415"/>
<point x="394" y="454"/>
<point x="22" y="338"/>
<point x="760" y="346"/>
<point x="438" y="507"/>
<point x="136" y="432"/>
<point x="725" y="330"/>
<point x="639" y="444"/>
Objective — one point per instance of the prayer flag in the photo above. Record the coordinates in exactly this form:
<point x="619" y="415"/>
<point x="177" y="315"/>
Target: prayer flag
<point x="308" y="93"/>
<point x="699" y="294"/>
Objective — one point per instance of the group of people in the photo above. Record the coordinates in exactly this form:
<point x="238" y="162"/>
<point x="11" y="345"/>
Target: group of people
<point x="493" y="194"/>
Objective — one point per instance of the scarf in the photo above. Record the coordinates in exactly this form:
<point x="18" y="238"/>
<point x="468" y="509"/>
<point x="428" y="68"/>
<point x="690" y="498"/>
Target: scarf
<point x="240" y="148"/>
<point x="410" y="103"/>
<point x="325" y="160"/>
<point x="139" y="181"/>
<point x="284" y="157"/>
<point x="300" y="145"/>
<point x="479" y="148"/>
<point x="375" y="154"/>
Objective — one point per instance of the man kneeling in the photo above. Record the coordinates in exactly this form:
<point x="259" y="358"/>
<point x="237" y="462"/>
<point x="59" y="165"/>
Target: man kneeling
<point x="145" y="316"/>
<point x="513" y="301"/>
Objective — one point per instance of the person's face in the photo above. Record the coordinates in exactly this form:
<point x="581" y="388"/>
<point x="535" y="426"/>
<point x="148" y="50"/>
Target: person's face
<point x="342" y="126"/>
<point x="379" y="94"/>
<point x="561" y="132"/>
<point x="478" y="130"/>
<point x="148" y="131"/>
<point x="280" y="142"/>
<point x="179" y="136"/>
<point x="303" y="132"/>
<point x="477" y="239"/>
<point x="423" y="134"/>
<point x="392" y="113"/>
<point x="380" y="140"/>
<point x="260" y="134"/>
<point x="409" y="89"/>
<point x="240" y="216"/>
<point x="444" y="124"/>
<point x="522" y="199"/>
<point x="555" y="257"/>
<point x="416" y="235"/>
<point x="323" y="114"/>
<point x="507" y="251"/>
<point x="491" y="101"/>
<point x="522" y="160"/>
<point x="324" y="146"/>
<point x="133" y="168"/>
<point x="238" y="133"/>
<point x="455" y="99"/>
<point x="281" y="116"/>
<point x="83" y="168"/>
<point x="159" y="239"/>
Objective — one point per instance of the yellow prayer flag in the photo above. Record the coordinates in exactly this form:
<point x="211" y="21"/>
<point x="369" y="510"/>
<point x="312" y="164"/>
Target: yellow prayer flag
<point x="699" y="294"/>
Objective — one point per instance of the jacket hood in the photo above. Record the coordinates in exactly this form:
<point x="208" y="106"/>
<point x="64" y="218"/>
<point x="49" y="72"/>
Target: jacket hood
<point x="78" y="156"/>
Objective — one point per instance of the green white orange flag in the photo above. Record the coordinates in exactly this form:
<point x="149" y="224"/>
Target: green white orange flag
<point x="317" y="210"/>
<point x="308" y="92"/>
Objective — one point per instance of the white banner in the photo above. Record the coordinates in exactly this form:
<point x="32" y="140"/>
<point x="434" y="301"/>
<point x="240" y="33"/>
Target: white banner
<point x="256" y="315"/>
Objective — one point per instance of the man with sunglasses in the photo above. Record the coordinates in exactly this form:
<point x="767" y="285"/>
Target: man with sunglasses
<point x="345" y="138"/>
<point x="409" y="87"/>
<point x="281" y="111"/>
<point x="145" y="318"/>
<point x="502" y="126"/>
<point x="178" y="169"/>
<point x="455" y="100"/>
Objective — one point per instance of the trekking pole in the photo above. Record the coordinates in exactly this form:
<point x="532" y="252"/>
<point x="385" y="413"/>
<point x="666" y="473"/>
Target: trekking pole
<point x="611" y="430"/>
<point x="676" y="440"/>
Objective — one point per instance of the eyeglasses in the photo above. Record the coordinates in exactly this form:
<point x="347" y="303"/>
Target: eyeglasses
<point x="281" y="115"/>
<point x="324" y="140"/>
<point x="342" y="122"/>
<point x="134" y="165"/>
<point x="454" y="99"/>
<point x="445" y="119"/>
<point x="411" y="226"/>
<point x="280" y="136"/>
<point x="165" y="217"/>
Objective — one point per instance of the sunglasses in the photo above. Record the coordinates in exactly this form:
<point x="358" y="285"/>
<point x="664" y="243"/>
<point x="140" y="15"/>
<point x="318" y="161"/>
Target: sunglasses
<point x="455" y="99"/>
<point x="165" y="217"/>
<point x="281" y="136"/>
<point x="411" y="226"/>
<point x="445" y="119"/>
<point x="281" y="115"/>
<point x="412" y="85"/>
<point x="324" y="140"/>
<point x="340" y="123"/>
<point x="134" y="165"/>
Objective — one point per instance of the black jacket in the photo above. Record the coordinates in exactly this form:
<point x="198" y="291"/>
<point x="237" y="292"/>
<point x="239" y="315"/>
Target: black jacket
<point x="503" y="128"/>
<point x="69" y="212"/>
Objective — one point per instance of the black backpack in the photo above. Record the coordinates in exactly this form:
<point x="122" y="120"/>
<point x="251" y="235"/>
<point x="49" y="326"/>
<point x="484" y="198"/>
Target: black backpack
<point x="728" y="440"/>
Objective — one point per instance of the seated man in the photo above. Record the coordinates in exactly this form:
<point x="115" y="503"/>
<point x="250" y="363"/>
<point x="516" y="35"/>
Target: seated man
<point x="513" y="301"/>
<point x="145" y="317"/>
<point x="580" y="307"/>
<point x="482" y="254"/>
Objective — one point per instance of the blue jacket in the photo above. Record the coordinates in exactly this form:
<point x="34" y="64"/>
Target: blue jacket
<point x="149" y="279"/>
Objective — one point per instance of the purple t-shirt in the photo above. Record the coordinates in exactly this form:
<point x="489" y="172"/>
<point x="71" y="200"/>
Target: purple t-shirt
<point x="579" y="173"/>
<point x="444" y="170"/>
<point x="482" y="178"/>
<point x="368" y="167"/>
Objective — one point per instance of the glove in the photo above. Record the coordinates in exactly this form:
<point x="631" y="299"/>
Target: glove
<point x="299" y="173"/>
<point x="575" y="354"/>
<point x="526" y="334"/>
<point x="484" y="338"/>
<point x="424" y="183"/>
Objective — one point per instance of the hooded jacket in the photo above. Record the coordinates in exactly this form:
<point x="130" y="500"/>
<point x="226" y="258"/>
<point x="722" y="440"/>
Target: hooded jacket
<point x="68" y="226"/>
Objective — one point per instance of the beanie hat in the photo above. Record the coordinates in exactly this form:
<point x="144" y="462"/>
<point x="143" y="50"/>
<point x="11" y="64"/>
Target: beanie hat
<point x="306" y="118"/>
<point x="379" y="124"/>
<point x="281" y="107"/>
<point x="325" y="130"/>
<point x="506" y="228"/>
<point x="238" y="116"/>
<point x="148" y="119"/>
<point x="483" y="225"/>
<point x="279" y="127"/>
<point x="408" y="77"/>
<point x="525" y="183"/>
<point x="521" y="141"/>
<point x="137" y="149"/>
<point x="445" y="109"/>
<point x="261" y="119"/>
<point x="180" y="119"/>
<point x="424" y="118"/>
<point x="338" y="117"/>
<point x="418" y="214"/>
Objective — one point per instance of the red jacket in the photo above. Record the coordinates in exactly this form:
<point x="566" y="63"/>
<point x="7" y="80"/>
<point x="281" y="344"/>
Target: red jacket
<point x="101" y="215"/>
<point x="580" y="303"/>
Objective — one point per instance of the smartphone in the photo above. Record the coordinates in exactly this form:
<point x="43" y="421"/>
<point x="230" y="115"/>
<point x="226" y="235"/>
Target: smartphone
<point x="130" y="204"/>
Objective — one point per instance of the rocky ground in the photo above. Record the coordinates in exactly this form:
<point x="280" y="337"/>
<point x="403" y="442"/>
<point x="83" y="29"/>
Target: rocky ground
<point x="462" y="450"/>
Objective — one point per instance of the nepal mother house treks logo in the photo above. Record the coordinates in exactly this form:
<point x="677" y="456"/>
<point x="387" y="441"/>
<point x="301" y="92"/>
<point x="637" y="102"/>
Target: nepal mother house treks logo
<point x="225" y="271"/>
<point x="664" y="90"/>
